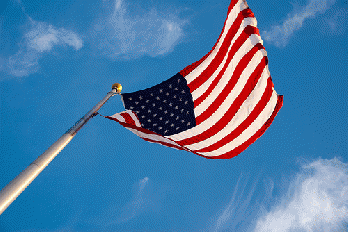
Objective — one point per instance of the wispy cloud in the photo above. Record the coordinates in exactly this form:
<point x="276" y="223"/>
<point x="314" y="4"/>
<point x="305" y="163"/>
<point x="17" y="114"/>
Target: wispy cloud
<point x="2" y="63"/>
<point x="145" y="197"/>
<point x="138" y="204"/>
<point x="240" y="211"/>
<point x="117" y="34"/>
<point x="317" y="200"/>
<point x="336" y="23"/>
<point x="40" y="39"/>
<point x="280" y="34"/>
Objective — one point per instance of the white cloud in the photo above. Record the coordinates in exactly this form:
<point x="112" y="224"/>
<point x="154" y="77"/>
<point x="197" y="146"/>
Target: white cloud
<point x="120" y="35"/>
<point x="317" y="200"/>
<point x="280" y="34"/>
<point x="40" y="39"/>
<point x="44" y="36"/>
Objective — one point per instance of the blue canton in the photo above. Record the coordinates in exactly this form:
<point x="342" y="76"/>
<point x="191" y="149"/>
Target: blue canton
<point x="166" y="108"/>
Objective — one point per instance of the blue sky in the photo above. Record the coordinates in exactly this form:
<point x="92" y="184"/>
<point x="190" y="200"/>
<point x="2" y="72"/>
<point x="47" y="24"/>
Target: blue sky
<point x="59" y="58"/>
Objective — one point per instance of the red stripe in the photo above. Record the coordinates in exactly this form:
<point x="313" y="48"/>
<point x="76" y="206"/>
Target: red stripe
<point x="235" y="47"/>
<point x="163" y="143"/>
<point x="230" y="7"/>
<point x="243" y="63"/>
<point x="233" y="109"/>
<point x="232" y="31"/>
<point x="111" y="118"/>
<point x="257" y="135"/>
<point x="191" y="67"/>
<point x="146" y="131"/>
<point x="128" y="118"/>
<point x="246" y="123"/>
<point x="133" y="126"/>
<point x="198" y="81"/>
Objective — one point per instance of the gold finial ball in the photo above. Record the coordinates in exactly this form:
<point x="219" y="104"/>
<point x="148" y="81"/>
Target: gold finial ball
<point x="118" y="87"/>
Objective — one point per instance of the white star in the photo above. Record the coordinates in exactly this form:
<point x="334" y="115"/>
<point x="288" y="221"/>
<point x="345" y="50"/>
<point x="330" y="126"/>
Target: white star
<point x="160" y="108"/>
<point x="153" y="104"/>
<point x="161" y="90"/>
<point x="160" y="118"/>
<point x="149" y="120"/>
<point x="136" y="103"/>
<point x="149" y="111"/>
<point x="142" y="124"/>
<point x="154" y="115"/>
<point x="154" y="124"/>
<point x="166" y="122"/>
<point x="174" y="96"/>
<point x="130" y="98"/>
<point x="177" y="128"/>
<point x="183" y="91"/>
<point x="142" y="107"/>
<point x="137" y="111"/>
<point x="176" y="89"/>
<point x="170" y="104"/>
<point x="180" y="99"/>
<point x="171" y="115"/>
<point x="187" y="112"/>
<point x="178" y="80"/>
<point x="170" y="86"/>
<point x="165" y="101"/>
<point x="177" y="117"/>
<point x="167" y="94"/>
<point x="182" y="121"/>
<point x="188" y="123"/>
<point x="147" y="101"/>
<point x="182" y="110"/>
<point x="151" y="94"/>
<point x="131" y="107"/>
<point x="166" y="131"/>
<point x="143" y="116"/>
<point x="186" y="102"/>
<point x="172" y="125"/>
<point x="140" y="97"/>
<point x="160" y="128"/>
<point x="176" y="107"/>
<point x="165" y="111"/>
<point x="157" y="98"/>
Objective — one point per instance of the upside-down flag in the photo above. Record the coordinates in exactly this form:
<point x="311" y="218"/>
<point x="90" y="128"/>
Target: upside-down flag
<point x="215" y="107"/>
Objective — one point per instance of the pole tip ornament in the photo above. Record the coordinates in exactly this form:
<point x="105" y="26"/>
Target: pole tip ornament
<point x="118" y="87"/>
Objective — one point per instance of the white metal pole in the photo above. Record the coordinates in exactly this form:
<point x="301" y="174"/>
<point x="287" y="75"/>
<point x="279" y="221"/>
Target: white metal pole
<point x="12" y="190"/>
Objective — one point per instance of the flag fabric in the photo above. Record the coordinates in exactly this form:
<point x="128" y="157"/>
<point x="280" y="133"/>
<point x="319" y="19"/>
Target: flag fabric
<point x="215" y="107"/>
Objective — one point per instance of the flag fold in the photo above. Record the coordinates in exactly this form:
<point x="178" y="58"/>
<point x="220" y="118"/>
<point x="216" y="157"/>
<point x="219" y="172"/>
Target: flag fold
<point x="215" y="107"/>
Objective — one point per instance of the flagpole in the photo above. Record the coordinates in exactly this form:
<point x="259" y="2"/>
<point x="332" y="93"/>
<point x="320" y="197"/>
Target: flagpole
<point x="12" y="190"/>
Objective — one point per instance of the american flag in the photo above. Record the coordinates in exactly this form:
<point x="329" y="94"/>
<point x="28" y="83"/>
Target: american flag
<point x="215" y="107"/>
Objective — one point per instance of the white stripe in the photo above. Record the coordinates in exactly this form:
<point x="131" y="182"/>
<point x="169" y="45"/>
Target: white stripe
<point x="118" y="117"/>
<point x="244" y="111"/>
<point x="229" y="21"/>
<point x="244" y="49"/>
<point x="153" y="137"/>
<point x="250" y="131"/>
<point x="219" y="113"/>
<point x="132" y="115"/>
<point x="200" y="90"/>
